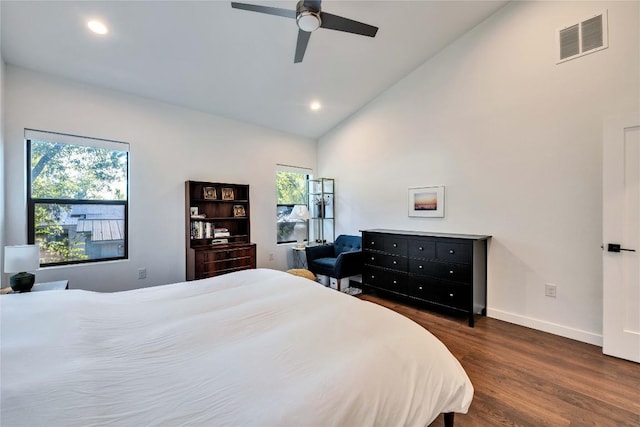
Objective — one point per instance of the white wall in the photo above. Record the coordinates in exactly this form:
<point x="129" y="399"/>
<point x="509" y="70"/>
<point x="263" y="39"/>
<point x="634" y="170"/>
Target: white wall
<point x="169" y="145"/>
<point x="2" y="197"/>
<point x="516" y="140"/>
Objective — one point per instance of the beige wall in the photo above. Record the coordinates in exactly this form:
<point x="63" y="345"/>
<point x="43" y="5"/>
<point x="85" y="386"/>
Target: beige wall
<point x="516" y="140"/>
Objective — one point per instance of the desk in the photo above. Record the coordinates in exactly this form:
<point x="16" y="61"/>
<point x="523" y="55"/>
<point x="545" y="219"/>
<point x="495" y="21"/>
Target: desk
<point x="299" y="257"/>
<point x="44" y="286"/>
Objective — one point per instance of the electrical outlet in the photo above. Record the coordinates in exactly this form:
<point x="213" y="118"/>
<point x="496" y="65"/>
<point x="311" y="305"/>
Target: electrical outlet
<point x="550" y="290"/>
<point x="142" y="273"/>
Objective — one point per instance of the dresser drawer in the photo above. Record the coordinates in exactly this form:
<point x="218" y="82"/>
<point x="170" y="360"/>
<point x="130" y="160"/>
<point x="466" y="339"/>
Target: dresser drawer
<point x="386" y="280"/>
<point x="454" y="252"/>
<point x="225" y="254"/>
<point x="395" y="245"/>
<point x="422" y="249"/>
<point x="372" y="277"/>
<point x="386" y="261"/>
<point x="450" y="294"/>
<point x="373" y="241"/>
<point x="214" y="262"/>
<point x="441" y="270"/>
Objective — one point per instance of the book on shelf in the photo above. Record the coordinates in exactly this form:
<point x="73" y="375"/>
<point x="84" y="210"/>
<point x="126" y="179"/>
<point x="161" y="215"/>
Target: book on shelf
<point x="202" y="230"/>
<point x="219" y="241"/>
<point x="221" y="232"/>
<point x="197" y="229"/>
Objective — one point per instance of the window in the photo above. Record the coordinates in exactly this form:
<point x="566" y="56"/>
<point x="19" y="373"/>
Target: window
<point x="291" y="187"/>
<point x="77" y="198"/>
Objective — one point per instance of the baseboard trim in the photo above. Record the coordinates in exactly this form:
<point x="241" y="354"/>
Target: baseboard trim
<point x="552" y="328"/>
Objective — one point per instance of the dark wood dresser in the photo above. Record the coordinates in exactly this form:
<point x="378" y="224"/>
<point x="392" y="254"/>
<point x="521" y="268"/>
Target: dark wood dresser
<point x="214" y="261"/>
<point x="446" y="271"/>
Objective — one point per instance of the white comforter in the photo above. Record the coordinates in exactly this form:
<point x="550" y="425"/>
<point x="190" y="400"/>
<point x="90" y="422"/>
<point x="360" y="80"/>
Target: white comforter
<point x="253" y="348"/>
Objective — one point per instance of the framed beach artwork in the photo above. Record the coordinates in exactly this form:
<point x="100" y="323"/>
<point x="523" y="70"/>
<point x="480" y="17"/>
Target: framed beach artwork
<point x="426" y="201"/>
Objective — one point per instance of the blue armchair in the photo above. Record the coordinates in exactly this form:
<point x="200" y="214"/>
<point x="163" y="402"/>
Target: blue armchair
<point x="343" y="258"/>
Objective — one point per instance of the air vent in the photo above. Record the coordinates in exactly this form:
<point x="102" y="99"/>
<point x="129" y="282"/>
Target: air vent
<point x="585" y="37"/>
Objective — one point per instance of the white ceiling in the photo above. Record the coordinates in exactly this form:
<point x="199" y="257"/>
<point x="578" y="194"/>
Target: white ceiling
<point x="210" y="57"/>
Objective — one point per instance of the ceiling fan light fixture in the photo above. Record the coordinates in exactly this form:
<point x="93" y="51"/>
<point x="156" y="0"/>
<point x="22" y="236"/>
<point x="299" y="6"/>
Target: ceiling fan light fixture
<point x="309" y="17"/>
<point x="308" y="20"/>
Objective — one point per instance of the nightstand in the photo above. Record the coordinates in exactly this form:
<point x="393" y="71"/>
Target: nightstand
<point x="45" y="286"/>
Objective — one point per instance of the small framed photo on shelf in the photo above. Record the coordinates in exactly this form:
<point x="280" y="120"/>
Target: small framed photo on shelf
<point x="238" y="210"/>
<point x="426" y="201"/>
<point x="209" y="193"/>
<point x="194" y="210"/>
<point x="227" y="193"/>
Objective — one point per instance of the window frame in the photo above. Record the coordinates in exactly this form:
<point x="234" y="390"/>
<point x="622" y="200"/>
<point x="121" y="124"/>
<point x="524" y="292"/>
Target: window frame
<point x="308" y="174"/>
<point x="33" y="201"/>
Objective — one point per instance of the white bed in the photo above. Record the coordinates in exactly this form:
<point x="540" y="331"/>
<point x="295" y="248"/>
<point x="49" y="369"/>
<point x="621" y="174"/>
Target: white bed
<point x="253" y="348"/>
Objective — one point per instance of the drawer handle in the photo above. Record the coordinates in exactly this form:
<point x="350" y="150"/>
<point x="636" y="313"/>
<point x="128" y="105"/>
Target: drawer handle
<point x="395" y="245"/>
<point x="451" y="251"/>
<point x="420" y="267"/>
<point x="450" y="271"/>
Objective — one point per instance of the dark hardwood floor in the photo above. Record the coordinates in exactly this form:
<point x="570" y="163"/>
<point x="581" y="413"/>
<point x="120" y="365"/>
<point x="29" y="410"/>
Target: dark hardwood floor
<point x="524" y="377"/>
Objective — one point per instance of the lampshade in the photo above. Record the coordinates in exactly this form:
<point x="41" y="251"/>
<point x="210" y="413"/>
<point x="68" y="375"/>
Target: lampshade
<point x="299" y="212"/>
<point x="22" y="258"/>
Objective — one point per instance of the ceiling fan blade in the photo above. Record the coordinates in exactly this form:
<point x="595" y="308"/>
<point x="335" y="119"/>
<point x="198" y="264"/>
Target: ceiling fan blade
<point x="265" y="9"/>
<point x="338" y="23"/>
<point x="301" y="45"/>
<point x="313" y="4"/>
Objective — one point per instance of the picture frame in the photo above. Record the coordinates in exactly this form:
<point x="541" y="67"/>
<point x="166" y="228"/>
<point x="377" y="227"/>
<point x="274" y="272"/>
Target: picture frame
<point x="426" y="202"/>
<point x="227" y="193"/>
<point x="209" y="193"/>
<point x="239" y="211"/>
<point x="193" y="210"/>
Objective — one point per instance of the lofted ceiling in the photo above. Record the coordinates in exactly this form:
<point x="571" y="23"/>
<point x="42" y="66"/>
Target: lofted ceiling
<point x="207" y="56"/>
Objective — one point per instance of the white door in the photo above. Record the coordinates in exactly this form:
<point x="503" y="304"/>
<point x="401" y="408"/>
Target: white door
<point x="621" y="237"/>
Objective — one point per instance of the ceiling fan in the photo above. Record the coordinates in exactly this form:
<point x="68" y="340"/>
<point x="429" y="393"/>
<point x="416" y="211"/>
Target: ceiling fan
<point x="309" y="17"/>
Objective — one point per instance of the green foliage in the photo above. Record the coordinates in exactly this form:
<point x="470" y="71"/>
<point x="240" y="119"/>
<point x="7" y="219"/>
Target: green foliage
<point x="291" y="188"/>
<point x="55" y="245"/>
<point x="284" y="231"/>
<point x="63" y="171"/>
<point x="71" y="172"/>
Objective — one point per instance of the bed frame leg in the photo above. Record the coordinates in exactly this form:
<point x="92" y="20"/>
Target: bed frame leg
<point x="448" y="419"/>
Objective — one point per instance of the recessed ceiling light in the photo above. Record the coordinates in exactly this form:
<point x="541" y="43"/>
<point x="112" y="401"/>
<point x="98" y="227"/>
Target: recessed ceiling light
<point x="315" y="106"/>
<point x="97" y="27"/>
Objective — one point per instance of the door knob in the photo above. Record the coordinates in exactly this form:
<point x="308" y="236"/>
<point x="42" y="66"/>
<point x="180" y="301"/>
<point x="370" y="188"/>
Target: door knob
<point x="614" y="247"/>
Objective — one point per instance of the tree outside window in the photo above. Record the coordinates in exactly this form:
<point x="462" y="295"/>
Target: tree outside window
<point x="77" y="198"/>
<point x="291" y="190"/>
